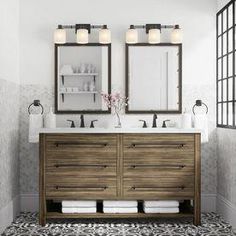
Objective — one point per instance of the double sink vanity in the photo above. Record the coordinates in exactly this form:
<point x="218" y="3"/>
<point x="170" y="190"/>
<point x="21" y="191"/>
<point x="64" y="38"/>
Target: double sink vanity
<point x="119" y="164"/>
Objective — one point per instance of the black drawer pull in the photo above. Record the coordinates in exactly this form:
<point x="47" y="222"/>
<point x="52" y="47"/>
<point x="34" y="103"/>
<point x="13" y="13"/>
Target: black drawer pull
<point x="78" y="165"/>
<point x="178" y="167"/>
<point x="157" y="145"/>
<point x="79" y="144"/>
<point x="78" y="188"/>
<point x="156" y="188"/>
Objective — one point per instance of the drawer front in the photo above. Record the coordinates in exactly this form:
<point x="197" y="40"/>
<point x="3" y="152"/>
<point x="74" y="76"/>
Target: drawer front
<point x="79" y="188"/>
<point x="150" y="170"/>
<point x="81" y="145"/>
<point x="159" y="188"/>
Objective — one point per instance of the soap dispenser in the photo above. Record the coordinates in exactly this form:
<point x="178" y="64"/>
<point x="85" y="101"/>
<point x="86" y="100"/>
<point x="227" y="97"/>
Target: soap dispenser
<point x="50" y="119"/>
<point x="186" y="120"/>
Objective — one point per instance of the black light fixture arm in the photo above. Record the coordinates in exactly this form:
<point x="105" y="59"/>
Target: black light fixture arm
<point x="153" y="26"/>
<point x="82" y="26"/>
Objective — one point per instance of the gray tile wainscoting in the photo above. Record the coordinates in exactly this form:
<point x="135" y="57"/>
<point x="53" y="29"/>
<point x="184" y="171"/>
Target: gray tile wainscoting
<point x="29" y="152"/>
<point x="9" y="146"/>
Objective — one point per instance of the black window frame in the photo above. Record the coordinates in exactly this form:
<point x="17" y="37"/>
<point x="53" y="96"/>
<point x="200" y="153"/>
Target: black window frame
<point x="225" y="105"/>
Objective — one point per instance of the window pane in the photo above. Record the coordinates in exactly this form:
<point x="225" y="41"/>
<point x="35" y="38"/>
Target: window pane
<point x="219" y="91"/>
<point x="230" y="64"/>
<point x="230" y="16"/>
<point x="224" y="67"/>
<point x="224" y="43"/>
<point x="230" y="113"/>
<point x="219" y="47"/>
<point x="230" y="89"/>
<point x="224" y="90"/>
<point x="224" y="114"/>
<point x="219" y="69"/>
<point x="224" y="20"/>
<point x="219" y="25"/>
<point x="230" y="41"/>
<point x="219" y="114"/>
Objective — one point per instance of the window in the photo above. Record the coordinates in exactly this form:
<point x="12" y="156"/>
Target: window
<point x="225" y="64"/>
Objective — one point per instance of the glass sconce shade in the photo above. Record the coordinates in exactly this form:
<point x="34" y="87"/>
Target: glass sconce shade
<point x="176" y="35"/>
<point x="132" y="36"/>
<point x="154" y="36"/>
<point x="104" y="35"/>
<point x="60" y="36"/>
<point x="82" y="36"/>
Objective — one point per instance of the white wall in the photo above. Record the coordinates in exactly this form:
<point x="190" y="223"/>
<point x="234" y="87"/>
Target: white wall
<point x="9" y="40"/>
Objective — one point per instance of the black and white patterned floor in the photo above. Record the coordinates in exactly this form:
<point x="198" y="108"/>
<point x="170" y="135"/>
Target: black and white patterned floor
<point x="27" y="225"/>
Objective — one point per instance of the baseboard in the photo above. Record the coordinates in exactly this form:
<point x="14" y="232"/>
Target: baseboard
<point x="8" y="213"/>
<point x="226" y="209"/>
<point x="30" y="202"/>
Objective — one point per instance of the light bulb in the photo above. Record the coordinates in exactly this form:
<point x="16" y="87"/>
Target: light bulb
<point x="154" y="36"/>
<point x="132" y="35"/>
<point x="82" y="36"/>
<point x="176" y="35"/>
<point x="104" y="35"/>
<point x="60" y="35"/>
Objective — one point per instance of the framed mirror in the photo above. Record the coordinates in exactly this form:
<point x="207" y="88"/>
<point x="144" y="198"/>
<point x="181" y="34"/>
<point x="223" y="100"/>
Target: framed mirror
<point x="82" y="72"/>
<point x="154" y="78"/>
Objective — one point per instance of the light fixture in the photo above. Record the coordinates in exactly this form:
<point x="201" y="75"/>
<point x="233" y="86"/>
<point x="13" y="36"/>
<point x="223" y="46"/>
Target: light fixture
<point x="60" y="35"/>
<point x="132" y="35"/>
<point x="176" y="35"/>
<point x="154" y="33"/>
<point x="82" y="31"/>
<point x="104" y="35"/>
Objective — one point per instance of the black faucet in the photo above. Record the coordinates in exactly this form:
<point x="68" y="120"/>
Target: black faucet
<point x="82" y="121"/>
<point x="154" y="122"/>
<point x="72" y="123"/>
<point x="164" y="123"/>
<point x="92" y="123"/>
<point x="144" y="123"/>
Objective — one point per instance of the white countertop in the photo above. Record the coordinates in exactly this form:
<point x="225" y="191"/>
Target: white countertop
<point x="120" y="130"/>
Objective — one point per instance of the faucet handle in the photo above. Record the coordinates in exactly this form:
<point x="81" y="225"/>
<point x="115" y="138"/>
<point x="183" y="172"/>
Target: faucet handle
<point x="164" y="123"/>
<point x="92" y="123"/>
<point x="72" y="123"/>
<point x="144" y="123"/>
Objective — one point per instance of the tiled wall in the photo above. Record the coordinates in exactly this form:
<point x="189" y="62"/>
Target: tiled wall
<point x="29" y="152"/>
<point x="9" y="142"/>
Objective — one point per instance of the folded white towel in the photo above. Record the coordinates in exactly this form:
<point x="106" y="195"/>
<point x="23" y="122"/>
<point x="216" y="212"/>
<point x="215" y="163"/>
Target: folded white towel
<point x="201" y="122"/>
<point x="82" y="203"/>
<point x="35" y="124"/>
<point x="79" y="210"/>
<point x="165" y="203"/>
<point x="120" y="210"/>
<point x="161" y="210"/>
<point x="120" y="204"/>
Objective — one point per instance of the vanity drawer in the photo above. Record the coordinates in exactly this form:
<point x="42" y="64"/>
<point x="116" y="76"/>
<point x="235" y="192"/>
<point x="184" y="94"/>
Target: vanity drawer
<point x="161" y="188"/>
<point x="81" y="146"/>
<point x="66" y="187"/>
<point x="158" y="170"/>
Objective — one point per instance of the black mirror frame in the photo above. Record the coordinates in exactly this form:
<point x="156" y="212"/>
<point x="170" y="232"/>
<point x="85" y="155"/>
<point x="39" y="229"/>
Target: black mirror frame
<point x="127" y="111"/>
<point x="57" y="46"/>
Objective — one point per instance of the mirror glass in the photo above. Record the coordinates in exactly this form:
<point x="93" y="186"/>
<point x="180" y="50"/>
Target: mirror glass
<point x="82" y="73"/>
<point x="153" y="78"/>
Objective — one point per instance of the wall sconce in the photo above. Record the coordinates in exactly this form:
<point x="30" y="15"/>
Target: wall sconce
<point x="82" y="31"/>
<point x="154" y="33"/>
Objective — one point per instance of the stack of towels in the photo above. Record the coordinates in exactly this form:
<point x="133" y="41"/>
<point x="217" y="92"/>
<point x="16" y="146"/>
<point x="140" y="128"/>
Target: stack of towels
<point x="120" y="206"/>
<point x="161" y="206"/>
<point x="79" y="206"/>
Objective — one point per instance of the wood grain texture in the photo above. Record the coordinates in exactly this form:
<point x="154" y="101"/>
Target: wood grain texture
<point x="119" y="167"/>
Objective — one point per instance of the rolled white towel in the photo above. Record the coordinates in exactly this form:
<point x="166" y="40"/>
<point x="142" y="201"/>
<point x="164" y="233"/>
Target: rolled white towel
<point x="79" y="209"/>
<point x="120" y="204"/>
<point x="35" y="124"/>
<point x="161" y="203"/>
<point x="81" y="203"/>
<point x="161" y="210"/>
<point x="201" y="122"/>
<point x="120" y="210"/>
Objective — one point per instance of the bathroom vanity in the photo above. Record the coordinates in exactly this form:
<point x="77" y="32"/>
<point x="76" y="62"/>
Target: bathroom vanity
<point x="140" y="164"/>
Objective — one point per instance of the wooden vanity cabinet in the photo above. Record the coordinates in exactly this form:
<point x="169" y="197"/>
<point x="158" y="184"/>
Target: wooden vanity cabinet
<point x="119" y="166"/>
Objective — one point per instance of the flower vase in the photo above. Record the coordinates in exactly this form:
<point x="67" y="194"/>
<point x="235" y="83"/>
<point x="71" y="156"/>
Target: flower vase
<point x="118" y="120"/>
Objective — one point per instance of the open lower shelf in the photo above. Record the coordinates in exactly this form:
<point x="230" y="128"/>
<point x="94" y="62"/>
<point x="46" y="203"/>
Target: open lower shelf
<point x="80" y="92"/>
<point x="58" y="215"/>
<point x="80" y="74"/>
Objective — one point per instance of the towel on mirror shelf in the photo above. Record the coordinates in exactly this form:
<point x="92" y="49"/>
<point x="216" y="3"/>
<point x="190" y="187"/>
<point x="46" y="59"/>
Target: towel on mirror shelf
<point x="120" y="210"/>
<point x="35" y="124"/>
<point x="79" y="209"/>
<point x="120" y="204"/>
<point x="81" y="203"/>
<point x="201" y="122"/>
<point x="161" y="203"/>
<point x="161" y="209"/>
